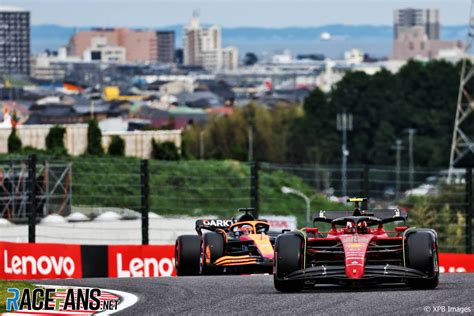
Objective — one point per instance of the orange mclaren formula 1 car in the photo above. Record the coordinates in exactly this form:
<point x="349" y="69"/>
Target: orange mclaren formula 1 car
<point x="359" y="248"/>
<point x="241" y="245"/>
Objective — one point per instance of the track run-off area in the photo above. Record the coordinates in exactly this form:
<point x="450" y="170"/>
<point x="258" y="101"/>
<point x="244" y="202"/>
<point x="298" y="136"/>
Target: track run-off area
<point x="255" y="294"/>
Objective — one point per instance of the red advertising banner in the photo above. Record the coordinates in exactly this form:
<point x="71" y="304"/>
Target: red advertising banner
<point x="39" y="261"/>
<point x="456" y="262"/>
<point x="49" y="261"/>
<point x="141" y="261"/>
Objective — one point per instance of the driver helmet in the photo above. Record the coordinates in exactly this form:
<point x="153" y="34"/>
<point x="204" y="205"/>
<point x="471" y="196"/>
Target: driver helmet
<point x="246" y="229"/>
<point x="362" y="227"/>
<point x="350" y="226"/>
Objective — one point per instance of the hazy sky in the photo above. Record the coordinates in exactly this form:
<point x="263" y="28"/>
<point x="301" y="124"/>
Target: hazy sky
<point x="269" y="13"/>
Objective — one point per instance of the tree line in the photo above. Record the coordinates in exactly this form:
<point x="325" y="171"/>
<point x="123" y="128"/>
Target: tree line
<point x="421" y="96"/>
<point x="55" y="144"/>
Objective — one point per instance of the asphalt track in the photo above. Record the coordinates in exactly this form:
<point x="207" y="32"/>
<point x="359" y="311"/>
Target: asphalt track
<point x="255" y="294"/>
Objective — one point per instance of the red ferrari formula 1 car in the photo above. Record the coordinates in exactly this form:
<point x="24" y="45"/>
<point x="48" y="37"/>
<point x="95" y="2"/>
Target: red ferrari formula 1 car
<point x="230" y="246"/>
<point x="357" y="250"/>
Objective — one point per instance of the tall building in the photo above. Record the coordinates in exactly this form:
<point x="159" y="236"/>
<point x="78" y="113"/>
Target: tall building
<point x="413" y="43"/>
<point x="230" y="58"/>
<point x="51" y="66"/>
<point x="140" y="46"/>
<point x="404" y="19"/>
<point x="165" y="50"/>
<point x="416" y="35"/>
<point x="14" y="41"/>
<point x="203" y="47"/>
<point x="101" y="51"/>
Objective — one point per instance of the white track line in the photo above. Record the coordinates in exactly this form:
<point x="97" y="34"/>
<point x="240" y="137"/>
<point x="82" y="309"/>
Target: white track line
<point x="127" y="300"/>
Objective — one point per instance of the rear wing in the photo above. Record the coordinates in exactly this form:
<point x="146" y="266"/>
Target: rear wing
<point x="385" y="215"/>
<point x="213" y="224"/>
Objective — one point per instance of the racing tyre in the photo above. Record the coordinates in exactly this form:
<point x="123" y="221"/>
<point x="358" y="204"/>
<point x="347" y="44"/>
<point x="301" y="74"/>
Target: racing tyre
<point x="288" y="254"/>
<point x="212" y="249"/>
<point x="187" y="252"/>
<point x="422" y="254"/>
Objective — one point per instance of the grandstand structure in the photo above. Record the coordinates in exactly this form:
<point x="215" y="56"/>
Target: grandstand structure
<point x="52" y="186"/>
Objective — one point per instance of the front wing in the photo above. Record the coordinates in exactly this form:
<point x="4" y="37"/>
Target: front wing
<point x="337" y="274"/>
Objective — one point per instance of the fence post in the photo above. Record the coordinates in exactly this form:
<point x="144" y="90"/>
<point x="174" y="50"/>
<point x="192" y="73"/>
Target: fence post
<point x="469" y="210"/>
<point x="365" y="186"/>
<point x="144" y="188"/>
<point x="254" y="167"/>
<point x="366" y="181"/>
<point x="32" y="198"/>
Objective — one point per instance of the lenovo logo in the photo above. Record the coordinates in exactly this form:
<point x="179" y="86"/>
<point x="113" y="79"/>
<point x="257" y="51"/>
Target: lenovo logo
<point x="43" y="265"/>
<point x="144" y="267"/>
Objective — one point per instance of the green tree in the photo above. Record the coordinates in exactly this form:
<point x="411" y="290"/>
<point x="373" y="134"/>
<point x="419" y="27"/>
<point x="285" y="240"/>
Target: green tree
<point x="384" y="137"/>
<point x="184" y="147"/>
<point x="94" y="139"/>
<point x="443" y="213"/>
<point x="14" y="142"/>
<point x="313" y="136"/>
<point x="250" y="59"/>
<point x="191" y="142"/>
<point x="369" y="99"/>
<point x="420" y="95"/>
<point x="430" y="93"/>
<point x="164" y="151"/>
<point x="227" y="137"/>
<point x="55" y="140"/>
<point x="117" y="146"/>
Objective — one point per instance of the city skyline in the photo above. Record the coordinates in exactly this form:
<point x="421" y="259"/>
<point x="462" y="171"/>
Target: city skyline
<point x="260" y="13"/>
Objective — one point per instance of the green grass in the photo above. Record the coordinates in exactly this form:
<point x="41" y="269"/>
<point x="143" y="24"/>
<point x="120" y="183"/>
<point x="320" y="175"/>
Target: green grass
<point x="187" y="187"/>
<point x="5" y="284"/>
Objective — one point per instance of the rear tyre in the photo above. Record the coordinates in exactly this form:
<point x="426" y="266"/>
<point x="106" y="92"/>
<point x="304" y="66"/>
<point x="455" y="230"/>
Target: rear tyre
<point x="212" y="249"/>
<point x="422" y="254"/>
<point x="187" y="252"/>
<point x="288" y="254"/>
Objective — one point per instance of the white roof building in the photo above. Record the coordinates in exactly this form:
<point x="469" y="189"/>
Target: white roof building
<point x="9" y="8"/>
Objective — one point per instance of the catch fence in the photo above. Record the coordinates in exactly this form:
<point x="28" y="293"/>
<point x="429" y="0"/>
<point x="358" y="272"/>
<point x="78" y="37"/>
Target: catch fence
<point x="107" y="200"/>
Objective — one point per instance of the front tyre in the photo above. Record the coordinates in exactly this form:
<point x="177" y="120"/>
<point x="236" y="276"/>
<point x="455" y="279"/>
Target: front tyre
<point x="422" y="254"/>
<point x="288" y="254"/>
<point x="187" y="252"/>
<point x="212" y="249"/>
